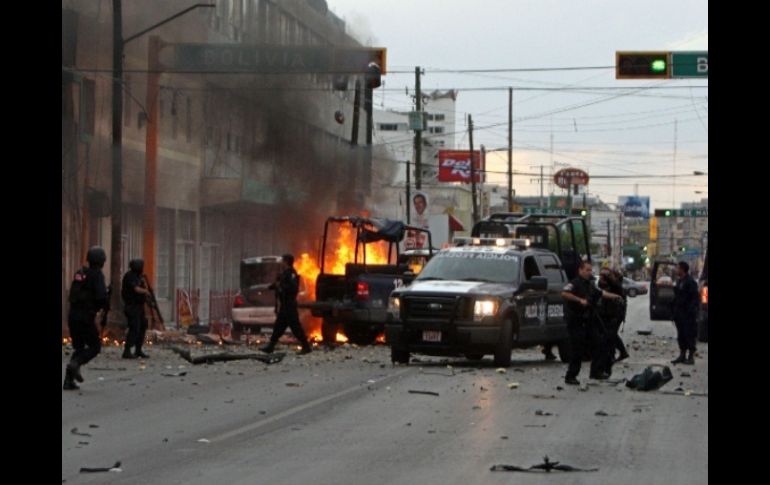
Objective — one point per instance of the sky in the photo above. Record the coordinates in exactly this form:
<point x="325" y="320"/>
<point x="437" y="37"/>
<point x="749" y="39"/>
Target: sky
<point x="620" y="131"/>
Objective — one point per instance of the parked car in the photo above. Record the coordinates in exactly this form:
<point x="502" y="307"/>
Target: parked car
<point x="633" y="288"/>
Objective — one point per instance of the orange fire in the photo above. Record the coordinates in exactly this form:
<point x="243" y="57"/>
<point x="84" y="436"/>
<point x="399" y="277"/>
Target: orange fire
<point x="381" y="338"/>
<point x="339" y="251"/>
<point x="341" y="337"/>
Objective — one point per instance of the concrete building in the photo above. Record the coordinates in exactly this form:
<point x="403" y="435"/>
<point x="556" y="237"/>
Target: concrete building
<point x="247" y="164"/>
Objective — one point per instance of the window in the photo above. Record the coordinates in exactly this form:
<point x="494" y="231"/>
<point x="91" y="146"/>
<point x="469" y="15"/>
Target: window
<point x="165" y="243"/>
<point x="388" y="126"/>
<point x="552" y="269"/>
<point x="174" y="117"/>
<point x="439" y="117"/>
<point x="436" y="129"/>
<point x="530" y="268"/>
<point x="188" y="121"/>
<point x="184" y="249"/>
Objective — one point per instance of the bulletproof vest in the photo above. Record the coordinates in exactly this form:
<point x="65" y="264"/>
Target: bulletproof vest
<point x="81" y="293"/>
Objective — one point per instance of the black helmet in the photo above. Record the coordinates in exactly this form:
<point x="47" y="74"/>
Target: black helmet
<point x="96" y="256"/>
<point x="136" y="265"/>
<point x="288" y="259"/>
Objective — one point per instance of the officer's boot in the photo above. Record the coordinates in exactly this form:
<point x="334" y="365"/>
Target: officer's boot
<point x="127" y="353"/>
<point x="306" y="348"/>
<point x="680" y="359"/>
<point x="69" y="381"/>
<point x="268" y="348"/>
<point x="74" y="368"/>
<point x="139" y="353"/>
<point x="690" y="360"/>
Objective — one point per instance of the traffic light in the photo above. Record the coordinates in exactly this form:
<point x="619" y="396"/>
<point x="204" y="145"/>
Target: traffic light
<point x="642" y="65"/>
<point x="662" y="212"/>
<point x="579" y="212"/>
<point x="682" y="248"/>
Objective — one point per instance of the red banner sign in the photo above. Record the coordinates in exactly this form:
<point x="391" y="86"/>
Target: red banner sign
<point x="455" y="166"/>
<point x="566" y="177"/>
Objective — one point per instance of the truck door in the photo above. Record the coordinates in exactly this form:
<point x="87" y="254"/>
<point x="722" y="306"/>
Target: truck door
<point x="662" y="290"/>
<point x="532" y="305"/>
<point x="551" y="269"/>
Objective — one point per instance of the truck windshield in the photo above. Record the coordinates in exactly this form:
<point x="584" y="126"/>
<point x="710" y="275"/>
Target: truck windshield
<point x="472" y="266"/>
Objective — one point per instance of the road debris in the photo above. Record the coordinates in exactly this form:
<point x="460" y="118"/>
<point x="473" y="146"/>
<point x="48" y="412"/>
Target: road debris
<point x="293" y="384"/>
<point x="227" y="356"/>
<point x="76" y="432"/>
<point x="114" y="468"/>
<point x="178" y="374"/>
<point x="547" y="466"/>
<point x="203" y="440"/>
<point x="513" y="385"/>
<point x="650" y="379"/>
<point x="501" y="370"/>
<point x="429" y="393"/>
<point x="540" y="412"/>
<point x="534" y="426"/>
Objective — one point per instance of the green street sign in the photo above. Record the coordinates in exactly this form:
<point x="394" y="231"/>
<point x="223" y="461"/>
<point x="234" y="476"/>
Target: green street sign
<point x="681" y="212"/>
<point x="548" y="211"/>
<point x="690" y="64"/>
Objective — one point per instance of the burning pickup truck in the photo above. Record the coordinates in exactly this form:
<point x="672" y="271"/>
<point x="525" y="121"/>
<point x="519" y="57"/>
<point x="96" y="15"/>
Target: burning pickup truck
<point x="353" y="296"/>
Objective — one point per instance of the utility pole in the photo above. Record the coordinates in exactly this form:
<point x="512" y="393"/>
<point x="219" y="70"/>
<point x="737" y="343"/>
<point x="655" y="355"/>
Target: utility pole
<point x="673" y="205"/>
<point x="418" y="133"/>
<point x="356" y="113"/>
<point x="473" y="173"/>
<point x="510" y="149"/>
<point x="481" y="179"/>
<point x="117" y="162"/>
<point x="541" y="187"/>
<point x="408" y="194"/>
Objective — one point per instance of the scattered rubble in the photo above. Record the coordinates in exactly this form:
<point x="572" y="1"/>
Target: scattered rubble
<point x="428" y="393"/>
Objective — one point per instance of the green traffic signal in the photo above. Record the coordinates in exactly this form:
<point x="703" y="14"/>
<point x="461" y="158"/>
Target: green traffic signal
<point x="658" y="65"/>
<point x="668" y="213"/>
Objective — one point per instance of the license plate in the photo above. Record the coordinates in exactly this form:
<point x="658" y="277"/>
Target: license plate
<point x="431" y="336"/>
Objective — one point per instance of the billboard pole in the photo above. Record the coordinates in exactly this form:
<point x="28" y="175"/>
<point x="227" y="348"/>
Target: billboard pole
<point x="473" y="173"/>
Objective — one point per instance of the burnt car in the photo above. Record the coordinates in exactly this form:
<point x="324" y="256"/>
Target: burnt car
<point x="255" y="304"/>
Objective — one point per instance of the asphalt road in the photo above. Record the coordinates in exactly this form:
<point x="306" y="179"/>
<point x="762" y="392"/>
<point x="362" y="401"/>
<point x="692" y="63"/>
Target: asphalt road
<point x="347" y="417"/>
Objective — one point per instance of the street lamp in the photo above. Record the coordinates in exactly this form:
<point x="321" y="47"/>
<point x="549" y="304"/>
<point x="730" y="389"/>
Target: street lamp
<point x="118" y="45"/>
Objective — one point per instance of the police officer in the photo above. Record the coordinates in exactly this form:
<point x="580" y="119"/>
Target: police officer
<point x="134" y="296"/>
<point x="612" y="314"/>
<point x="88" y="295"/>
<point x="581" y="297"/>
<point x="686" y="301"/>
<point x="287" y="288"/>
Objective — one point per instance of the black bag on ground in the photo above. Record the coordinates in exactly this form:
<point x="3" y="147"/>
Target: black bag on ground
<point x="650" y="379"/>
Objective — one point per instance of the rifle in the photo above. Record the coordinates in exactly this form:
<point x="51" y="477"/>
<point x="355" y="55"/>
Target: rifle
<point x="105" y="311"/>
<point x="153" y="302"/>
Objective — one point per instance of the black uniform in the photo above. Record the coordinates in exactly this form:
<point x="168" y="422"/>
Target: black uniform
<point x="581" y="326"/>
<point x="134" y="309"/>
<point x="91" y="297"/>
<point x="287" y="288"/>
<point x="612" y="314"/>
<point x="685" y="312"/>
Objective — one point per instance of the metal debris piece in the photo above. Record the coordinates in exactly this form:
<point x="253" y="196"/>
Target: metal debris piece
<point x="76" y="432"/>
<point x="227" y="356"/>
<point x="513" y="385"/>
<point x="178" y="374"/>
<point x="429" y="393"/>
<point x="114" y="468"/>
<point x="600" y="413"/>
<point x="540" y="412"/>
<point x="547" y="466"/>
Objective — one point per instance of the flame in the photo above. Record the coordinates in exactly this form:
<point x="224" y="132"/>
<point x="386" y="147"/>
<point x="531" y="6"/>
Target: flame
<point x="341" y="338"/>
<point x="308" y="269"/>
<point x="381" y="338"/>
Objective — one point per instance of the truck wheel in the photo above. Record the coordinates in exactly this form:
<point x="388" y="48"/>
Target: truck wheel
<point x="504" y="345"/>
<point x="399" y="356"/>
<point x="360" y="336"/>
<point x="564" y="350"/>
<point x="703" y="330"/>
<point x="474" y="356"/>
<point x="632" y="292"/>
<point x="237" y="331"/>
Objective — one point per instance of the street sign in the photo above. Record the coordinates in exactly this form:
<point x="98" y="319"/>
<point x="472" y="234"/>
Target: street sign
<point x="699" y="212"/>
<point x="690" y="64"/>
<point x="567" y="177"/>
<point x="275" y="59"/>
<point x="549" y="211"/>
